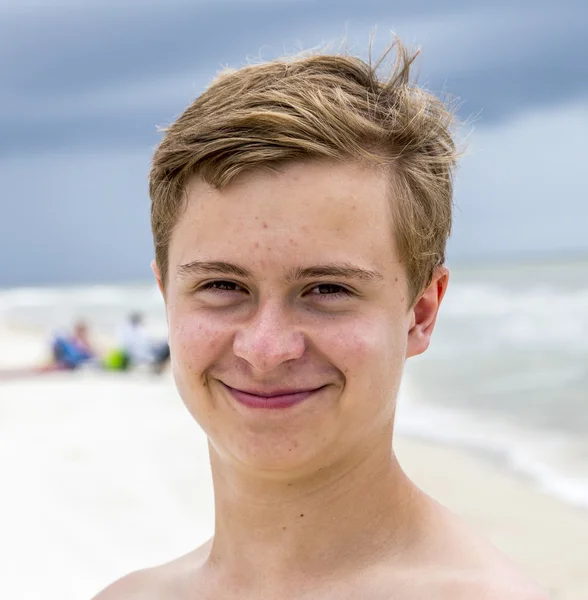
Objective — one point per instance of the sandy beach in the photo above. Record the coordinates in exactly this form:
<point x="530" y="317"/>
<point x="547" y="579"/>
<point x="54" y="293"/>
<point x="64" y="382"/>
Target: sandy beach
<point x="105" y="473"/>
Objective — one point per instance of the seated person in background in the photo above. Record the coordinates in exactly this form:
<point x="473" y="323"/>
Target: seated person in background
<point x="70" y="351"/>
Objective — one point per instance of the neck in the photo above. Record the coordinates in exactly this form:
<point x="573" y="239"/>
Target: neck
<point x="353" y="514"/>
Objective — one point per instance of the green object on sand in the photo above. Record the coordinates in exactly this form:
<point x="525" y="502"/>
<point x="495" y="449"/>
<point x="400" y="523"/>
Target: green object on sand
<point x="116" y="360"/>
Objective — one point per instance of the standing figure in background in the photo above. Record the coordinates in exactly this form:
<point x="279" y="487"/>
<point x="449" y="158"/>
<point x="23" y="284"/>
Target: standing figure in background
<point x="139" y="349"/>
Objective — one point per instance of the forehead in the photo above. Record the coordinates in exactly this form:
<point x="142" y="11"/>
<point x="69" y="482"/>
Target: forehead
<point x="312" y="211"/>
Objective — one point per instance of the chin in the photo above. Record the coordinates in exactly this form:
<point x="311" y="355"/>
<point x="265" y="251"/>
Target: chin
<point x="277" y="456"/>
<point x="282" y="443"/>
<point x="287" y="442"/>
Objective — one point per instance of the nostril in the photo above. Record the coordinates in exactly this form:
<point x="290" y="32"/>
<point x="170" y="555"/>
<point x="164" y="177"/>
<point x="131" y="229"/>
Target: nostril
<point x="267" y="349"/>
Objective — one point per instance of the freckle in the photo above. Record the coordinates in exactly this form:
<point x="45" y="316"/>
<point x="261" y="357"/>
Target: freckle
<point x="283" y="528"/>
<point x="395" y="279"/>
<point x="265" y="225"/>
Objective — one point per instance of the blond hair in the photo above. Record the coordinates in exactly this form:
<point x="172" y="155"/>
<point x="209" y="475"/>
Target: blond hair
<point x="311" y="107"/>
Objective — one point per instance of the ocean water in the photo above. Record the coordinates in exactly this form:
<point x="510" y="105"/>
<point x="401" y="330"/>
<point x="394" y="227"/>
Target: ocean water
<point x="506" y="374"/>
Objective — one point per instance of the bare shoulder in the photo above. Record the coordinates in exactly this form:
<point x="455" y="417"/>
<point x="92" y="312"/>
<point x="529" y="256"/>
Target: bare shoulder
<point x="164" y="581"/>
<point x="490" y="576"/>
<point x="503" y="588"/>
<point x="459" y="584"/>
<point x="141" y="585"/>
<point x="459" y="563"/>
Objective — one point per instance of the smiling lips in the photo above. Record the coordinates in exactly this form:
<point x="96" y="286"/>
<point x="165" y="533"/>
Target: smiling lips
<point x="276" y="399"/>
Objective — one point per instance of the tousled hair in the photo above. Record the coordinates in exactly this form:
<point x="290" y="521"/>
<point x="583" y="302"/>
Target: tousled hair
<point x="318" y="106"/>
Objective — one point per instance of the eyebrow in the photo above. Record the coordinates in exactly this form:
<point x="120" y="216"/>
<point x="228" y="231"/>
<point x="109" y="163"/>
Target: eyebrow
<point x="199" y="267"/>
<point x="335" y="270"/>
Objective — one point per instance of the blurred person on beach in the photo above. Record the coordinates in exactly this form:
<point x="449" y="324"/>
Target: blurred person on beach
<point x="300" y="213"/>
<point x="137" y="349"/>
<point x="69" y="351"/>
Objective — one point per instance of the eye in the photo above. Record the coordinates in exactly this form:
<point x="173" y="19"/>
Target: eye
<point x="222" y="287"/>
<point x="330" y="291"/>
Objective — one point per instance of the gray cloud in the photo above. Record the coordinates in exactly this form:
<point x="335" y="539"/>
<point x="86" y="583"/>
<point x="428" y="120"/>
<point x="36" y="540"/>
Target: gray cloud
<point x="498" y="58"/>
<point x="74" y="217"/>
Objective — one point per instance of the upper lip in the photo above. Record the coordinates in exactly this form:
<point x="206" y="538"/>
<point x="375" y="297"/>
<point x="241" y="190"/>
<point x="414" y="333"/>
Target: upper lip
<point x="269" y="393"/>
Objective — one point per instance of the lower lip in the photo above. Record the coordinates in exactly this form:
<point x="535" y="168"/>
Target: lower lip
<point x="272" y="402"/>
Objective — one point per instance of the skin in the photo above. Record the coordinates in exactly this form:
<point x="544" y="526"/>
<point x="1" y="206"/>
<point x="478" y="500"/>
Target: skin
<point x="310" y="500"/>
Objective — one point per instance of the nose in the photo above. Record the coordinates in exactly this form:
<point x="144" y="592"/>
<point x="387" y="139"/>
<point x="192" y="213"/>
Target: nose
<point x="269" y="339"/>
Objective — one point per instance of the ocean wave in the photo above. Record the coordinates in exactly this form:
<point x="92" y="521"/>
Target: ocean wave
<point x="554" y="461"/>
<point x="79" y="296"/>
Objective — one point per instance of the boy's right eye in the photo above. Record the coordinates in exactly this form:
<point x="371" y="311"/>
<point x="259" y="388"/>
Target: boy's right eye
<point x="222" y="286"/>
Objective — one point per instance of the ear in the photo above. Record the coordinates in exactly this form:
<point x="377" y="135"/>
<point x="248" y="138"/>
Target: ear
<point x="424" y="313"/>
<point x="157" y="274"/>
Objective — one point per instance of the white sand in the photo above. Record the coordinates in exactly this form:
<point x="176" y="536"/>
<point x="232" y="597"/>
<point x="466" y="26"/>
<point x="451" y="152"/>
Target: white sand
<point x="20" y="347"/>
<point x="104" y="473"/>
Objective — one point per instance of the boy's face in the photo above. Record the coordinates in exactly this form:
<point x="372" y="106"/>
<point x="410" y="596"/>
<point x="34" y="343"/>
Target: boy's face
<point x="288" y="313"/>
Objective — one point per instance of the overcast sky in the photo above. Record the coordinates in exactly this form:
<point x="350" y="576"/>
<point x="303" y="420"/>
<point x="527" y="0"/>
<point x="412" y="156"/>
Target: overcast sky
<point x="84" y="84"/>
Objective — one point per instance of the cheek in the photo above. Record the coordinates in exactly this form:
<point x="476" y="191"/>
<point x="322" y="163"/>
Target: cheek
<point x="194" y="340"/>
<point x="372" y="359"/>
<point x="195" y="344"/>
<point x="364" y="347"/>
<point x="351" y="349"/>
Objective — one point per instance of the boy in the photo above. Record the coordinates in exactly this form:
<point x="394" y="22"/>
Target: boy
<point x="300" y="212"/>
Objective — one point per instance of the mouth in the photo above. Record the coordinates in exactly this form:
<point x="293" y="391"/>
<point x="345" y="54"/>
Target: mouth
<point x="274" y="399"/>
